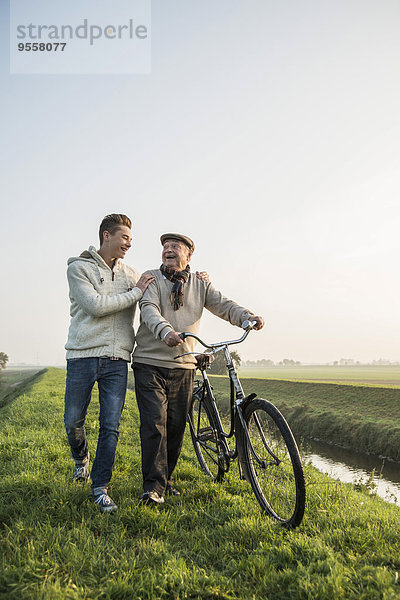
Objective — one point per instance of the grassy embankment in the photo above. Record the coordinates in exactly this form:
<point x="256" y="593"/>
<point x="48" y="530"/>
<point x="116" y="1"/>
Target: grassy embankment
<point x="211" y="542"/>
<point x="365" y="418"/>
<point x="13" y="382"/>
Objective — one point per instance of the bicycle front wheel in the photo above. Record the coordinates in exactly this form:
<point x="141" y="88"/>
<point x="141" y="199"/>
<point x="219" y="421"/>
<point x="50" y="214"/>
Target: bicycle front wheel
<point x="272" y="463"/>
<point x="205" y="437"/>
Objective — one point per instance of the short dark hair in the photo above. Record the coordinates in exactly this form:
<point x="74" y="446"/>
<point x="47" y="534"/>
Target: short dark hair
<point x="112" y="223"/>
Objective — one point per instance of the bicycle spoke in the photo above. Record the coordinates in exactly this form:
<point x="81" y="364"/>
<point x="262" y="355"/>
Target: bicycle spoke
<point x="263" y="439"/>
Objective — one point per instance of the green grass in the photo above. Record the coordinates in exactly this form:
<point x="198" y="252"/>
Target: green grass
<point x="362" y="374"/>
<point x="365" y="418"/>
<point x="211" y="542"/>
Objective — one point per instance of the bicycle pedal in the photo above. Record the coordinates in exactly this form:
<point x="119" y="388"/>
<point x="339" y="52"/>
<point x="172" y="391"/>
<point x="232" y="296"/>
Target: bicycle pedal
<point x="206" y="433"/>
<point x="206" y="438"/>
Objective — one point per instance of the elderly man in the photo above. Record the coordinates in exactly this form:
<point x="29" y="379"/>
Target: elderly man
<point x="172" y="303"/>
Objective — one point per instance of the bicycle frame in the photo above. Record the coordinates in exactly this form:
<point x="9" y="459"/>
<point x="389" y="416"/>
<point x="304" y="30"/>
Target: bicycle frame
<point x="237" y="395"/>
<point x="219" y="424"/>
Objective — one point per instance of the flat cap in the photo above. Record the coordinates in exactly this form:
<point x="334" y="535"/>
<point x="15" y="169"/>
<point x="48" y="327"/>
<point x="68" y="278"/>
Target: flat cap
<point x="178" y="236"/>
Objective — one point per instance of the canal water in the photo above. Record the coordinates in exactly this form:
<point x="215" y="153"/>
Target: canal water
<point x="354" y="467"/>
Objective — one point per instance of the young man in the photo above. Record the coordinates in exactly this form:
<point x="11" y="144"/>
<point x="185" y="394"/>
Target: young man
<point x="103" y="294"/>
<point x="173" y="303"/>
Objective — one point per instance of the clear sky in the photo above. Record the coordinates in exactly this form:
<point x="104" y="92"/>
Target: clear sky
<point x="267" y="131"/>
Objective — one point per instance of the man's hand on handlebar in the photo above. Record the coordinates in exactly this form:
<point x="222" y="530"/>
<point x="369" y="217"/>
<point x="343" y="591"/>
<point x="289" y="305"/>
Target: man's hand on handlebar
<point x="259" y="322"/>
<point x="172" y="339"/>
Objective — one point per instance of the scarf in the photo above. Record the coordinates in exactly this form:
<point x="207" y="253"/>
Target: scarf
<point x="178" y="278"/>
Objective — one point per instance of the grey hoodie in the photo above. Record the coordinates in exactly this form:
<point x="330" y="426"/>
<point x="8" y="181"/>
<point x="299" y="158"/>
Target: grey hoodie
<point x="103" y="303"/>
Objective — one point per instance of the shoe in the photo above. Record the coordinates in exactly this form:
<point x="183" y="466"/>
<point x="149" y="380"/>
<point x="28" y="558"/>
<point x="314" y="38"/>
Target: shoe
<point x="81" y="470"/>
<point x="101" y="497"/>
<point x="171" y="491"/>
<point x="152" y="497"/>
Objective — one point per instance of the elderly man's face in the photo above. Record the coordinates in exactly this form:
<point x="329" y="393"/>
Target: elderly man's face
<point x="175" y="255"/>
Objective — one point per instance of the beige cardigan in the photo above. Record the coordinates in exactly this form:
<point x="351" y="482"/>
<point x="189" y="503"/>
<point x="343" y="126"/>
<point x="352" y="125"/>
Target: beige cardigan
<point x="158" y="318"/>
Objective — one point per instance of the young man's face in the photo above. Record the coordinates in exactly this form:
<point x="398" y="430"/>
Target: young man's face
<point x="175" y="255"/>
<point x="118" y="243"/>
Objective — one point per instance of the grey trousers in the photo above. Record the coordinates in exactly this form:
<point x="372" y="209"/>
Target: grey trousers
<point x="163" y="397"/>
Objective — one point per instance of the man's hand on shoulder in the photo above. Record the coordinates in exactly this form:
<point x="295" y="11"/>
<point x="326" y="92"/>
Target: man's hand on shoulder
<point x="172" y="339"/>
<point x="259" y="322"/>
<point x="203" y="276"/>
<point x="144" y="282"/>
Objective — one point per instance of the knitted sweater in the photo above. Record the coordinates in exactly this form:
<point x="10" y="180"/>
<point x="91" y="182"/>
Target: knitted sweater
<point x="158" y="317"/>
<point x="103" y="303"/>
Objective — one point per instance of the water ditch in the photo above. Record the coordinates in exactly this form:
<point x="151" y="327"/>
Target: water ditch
<point x="349" y="466"/>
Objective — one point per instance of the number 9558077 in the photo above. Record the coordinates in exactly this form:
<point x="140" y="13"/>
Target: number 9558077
<point x="42" y="46"/>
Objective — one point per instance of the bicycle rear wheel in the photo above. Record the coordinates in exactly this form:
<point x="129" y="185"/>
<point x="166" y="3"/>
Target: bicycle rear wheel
<point x="273" y="465"/>
<point x="204" y="435"/>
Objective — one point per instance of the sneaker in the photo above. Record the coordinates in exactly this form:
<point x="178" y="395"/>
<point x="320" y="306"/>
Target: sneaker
<point x="101" y="497"/>
<point x="152" y="497"/>
<point x="81" y="470"/>
<point x="171" y="491"/>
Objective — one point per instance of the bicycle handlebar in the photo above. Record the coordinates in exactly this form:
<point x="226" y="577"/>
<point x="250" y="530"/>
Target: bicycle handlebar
<point x="246" y="325"/>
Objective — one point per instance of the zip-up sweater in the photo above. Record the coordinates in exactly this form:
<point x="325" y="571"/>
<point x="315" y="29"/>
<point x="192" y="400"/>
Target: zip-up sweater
<point x="103" y="303"/>
<point x="158" y="318"/>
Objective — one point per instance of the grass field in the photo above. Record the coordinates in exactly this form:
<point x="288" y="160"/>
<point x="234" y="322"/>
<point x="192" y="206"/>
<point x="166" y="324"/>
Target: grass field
<point x="370" y="375"/>
<point x="211" y="542"/>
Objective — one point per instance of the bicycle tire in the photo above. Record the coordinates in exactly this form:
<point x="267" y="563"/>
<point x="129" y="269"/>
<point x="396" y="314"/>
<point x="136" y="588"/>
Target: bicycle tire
<point x="276" y="476"/>
<point x="204" y="436"/>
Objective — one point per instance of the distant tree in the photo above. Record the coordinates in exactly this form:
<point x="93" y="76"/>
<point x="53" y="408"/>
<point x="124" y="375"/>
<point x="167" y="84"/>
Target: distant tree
<point x="218" y="366"/>
<point x="288" y="362"/>
<point x="265" y="362"/>
<point x="237" y="361"/>
<point x="3" y="360"/>
<point x="346" y="362"/>
<point x="249" y="363"/>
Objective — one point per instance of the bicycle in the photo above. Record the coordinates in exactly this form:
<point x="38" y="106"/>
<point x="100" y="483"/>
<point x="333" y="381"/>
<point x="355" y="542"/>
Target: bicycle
<point x="264" y="444"/>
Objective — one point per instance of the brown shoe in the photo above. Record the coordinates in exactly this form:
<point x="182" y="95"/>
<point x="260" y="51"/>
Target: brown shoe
<point x="171" y="491"/>
<point x="151" y="497"/>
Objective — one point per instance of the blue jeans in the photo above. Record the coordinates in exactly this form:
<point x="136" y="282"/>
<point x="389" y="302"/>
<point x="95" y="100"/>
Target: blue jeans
<point x="111" y="377"/>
